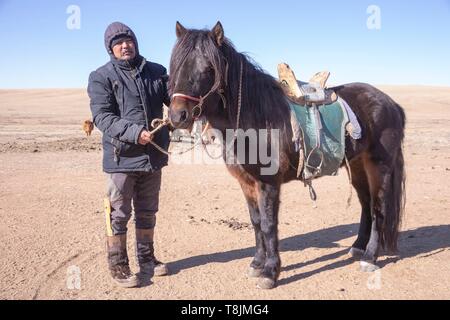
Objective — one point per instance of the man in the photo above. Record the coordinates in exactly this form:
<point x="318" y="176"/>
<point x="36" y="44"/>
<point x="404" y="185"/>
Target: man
<point x="125" y="95"/>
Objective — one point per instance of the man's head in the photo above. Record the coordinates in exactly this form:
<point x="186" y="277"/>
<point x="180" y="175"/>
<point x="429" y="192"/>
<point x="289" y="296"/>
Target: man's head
<point x="121" y="42"/>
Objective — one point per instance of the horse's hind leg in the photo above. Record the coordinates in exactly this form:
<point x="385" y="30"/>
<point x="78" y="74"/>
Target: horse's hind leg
<point x="379" y="177"/>
<point x="257" y="264"/>
<point x="360" y="183"/>
<point x="384" y="169"/>
<point x="268" y="202"/>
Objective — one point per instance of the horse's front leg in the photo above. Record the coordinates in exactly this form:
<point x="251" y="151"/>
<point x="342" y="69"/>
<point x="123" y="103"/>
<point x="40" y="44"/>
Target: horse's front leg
<point x="268" y="203"/>
<point x="257" y="264"/>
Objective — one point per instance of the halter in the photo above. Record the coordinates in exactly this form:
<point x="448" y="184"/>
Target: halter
<point x="214" y="89"/>
<point x="185" y="96"/>
<point x="200" y="100"/>
<point x="220" y="92"/>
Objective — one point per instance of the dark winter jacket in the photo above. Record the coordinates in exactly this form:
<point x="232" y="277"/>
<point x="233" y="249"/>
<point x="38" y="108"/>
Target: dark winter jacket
<point x="124" y="97"/>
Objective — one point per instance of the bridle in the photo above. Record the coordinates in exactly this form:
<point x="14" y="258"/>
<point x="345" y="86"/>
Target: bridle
<point x="200" y="101"/>
<point x="214" y="89"/>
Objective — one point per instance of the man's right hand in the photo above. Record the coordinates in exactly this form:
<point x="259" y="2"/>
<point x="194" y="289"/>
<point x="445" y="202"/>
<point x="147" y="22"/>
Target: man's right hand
<point x="145" y="137"/>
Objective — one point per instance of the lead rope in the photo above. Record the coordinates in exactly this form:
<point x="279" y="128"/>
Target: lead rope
<point x="158" y="124"/>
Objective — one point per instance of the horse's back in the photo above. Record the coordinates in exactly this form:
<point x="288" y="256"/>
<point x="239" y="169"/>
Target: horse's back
<point x="372" y="106"/>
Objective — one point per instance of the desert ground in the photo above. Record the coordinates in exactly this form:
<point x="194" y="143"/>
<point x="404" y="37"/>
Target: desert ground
<point x="52" y="232"/>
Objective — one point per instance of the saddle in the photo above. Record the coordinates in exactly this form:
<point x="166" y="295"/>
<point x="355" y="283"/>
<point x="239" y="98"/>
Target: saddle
<point x="306" y="93"/>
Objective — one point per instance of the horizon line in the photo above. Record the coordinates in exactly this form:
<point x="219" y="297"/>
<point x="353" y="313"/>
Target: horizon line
<point x="330" y="86"/>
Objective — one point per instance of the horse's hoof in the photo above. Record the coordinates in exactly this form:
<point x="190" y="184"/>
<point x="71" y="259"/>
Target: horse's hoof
<point x="254" y="272"/>
<point x="366" y="266"/>
<point x="266" y="283"/>
<point x="356" y="253"/>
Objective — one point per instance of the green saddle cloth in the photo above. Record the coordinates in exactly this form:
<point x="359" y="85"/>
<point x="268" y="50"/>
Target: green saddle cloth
<point x="323" y="130"/>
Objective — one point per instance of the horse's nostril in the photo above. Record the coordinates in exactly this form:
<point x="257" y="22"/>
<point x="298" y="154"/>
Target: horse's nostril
<point x="183" y="116"/>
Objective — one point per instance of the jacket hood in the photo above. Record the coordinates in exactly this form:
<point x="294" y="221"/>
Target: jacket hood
<point x="118" y="29"/>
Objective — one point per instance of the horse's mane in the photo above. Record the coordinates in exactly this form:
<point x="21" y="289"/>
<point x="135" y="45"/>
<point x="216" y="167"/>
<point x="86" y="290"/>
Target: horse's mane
<point x="264" y="105"/>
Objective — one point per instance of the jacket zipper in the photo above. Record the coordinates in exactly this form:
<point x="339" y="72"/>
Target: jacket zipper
<point x="143" y="102"/>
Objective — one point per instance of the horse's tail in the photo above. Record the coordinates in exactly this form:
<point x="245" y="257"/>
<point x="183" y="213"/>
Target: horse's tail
<point x="397" y="197"/>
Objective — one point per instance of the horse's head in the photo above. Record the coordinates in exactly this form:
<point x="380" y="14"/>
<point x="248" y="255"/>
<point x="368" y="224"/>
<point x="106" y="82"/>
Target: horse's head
<point x="197" y="74"/>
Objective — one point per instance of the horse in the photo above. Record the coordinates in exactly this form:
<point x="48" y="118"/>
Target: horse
<point x="209" y="78"/>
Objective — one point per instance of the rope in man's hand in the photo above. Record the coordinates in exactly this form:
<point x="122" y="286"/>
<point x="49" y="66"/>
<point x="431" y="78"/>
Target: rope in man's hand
<point x="146" y="136"/>
<point x="158" y="124"/>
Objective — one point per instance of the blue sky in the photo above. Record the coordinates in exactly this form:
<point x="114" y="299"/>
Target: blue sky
<point x="412" y="45"/>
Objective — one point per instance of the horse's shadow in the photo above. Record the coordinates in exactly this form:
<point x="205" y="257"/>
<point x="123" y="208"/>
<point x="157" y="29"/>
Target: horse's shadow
<point x="411" y="243"/>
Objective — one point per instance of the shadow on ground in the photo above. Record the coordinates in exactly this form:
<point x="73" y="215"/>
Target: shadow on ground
<point x="423" y="240"/>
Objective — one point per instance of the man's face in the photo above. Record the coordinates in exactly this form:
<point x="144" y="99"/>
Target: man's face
<point x="124" y="50"/>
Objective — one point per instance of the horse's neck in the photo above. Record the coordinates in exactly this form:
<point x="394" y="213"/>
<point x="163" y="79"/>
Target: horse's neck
<point x="253" y="76"/>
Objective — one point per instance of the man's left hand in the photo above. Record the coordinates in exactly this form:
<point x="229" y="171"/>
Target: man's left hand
<point x="145" y="137"/>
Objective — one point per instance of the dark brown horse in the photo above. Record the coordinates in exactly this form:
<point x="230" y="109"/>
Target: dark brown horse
<point x="209" y="77"/>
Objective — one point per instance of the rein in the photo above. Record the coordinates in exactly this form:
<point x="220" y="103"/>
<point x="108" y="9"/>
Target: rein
<point x="238" y="115"/>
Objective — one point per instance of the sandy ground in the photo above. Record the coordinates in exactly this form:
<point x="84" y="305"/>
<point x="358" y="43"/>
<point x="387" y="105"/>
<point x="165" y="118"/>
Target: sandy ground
<point x="52" y="230"/>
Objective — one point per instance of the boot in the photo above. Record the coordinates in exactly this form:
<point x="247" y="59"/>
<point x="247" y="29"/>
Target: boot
<point x="146" y="254"/>
<point x="118" y="261"/>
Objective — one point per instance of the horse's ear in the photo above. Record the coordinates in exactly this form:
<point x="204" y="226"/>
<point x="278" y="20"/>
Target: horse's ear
<point x="180" y="30"/>
<point x="217" y="33"/>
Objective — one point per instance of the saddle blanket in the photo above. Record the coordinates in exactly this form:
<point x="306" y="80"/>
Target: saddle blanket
<point x="321" y="131"/>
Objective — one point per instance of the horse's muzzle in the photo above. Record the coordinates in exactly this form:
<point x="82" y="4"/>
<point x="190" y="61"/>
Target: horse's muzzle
<point x="180" y="117"/>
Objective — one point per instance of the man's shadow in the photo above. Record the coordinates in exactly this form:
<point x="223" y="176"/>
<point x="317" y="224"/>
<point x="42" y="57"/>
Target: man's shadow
<point x="411" y="243"/>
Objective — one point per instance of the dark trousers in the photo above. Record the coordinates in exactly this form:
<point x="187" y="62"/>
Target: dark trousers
<point x="138" y="188"/>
